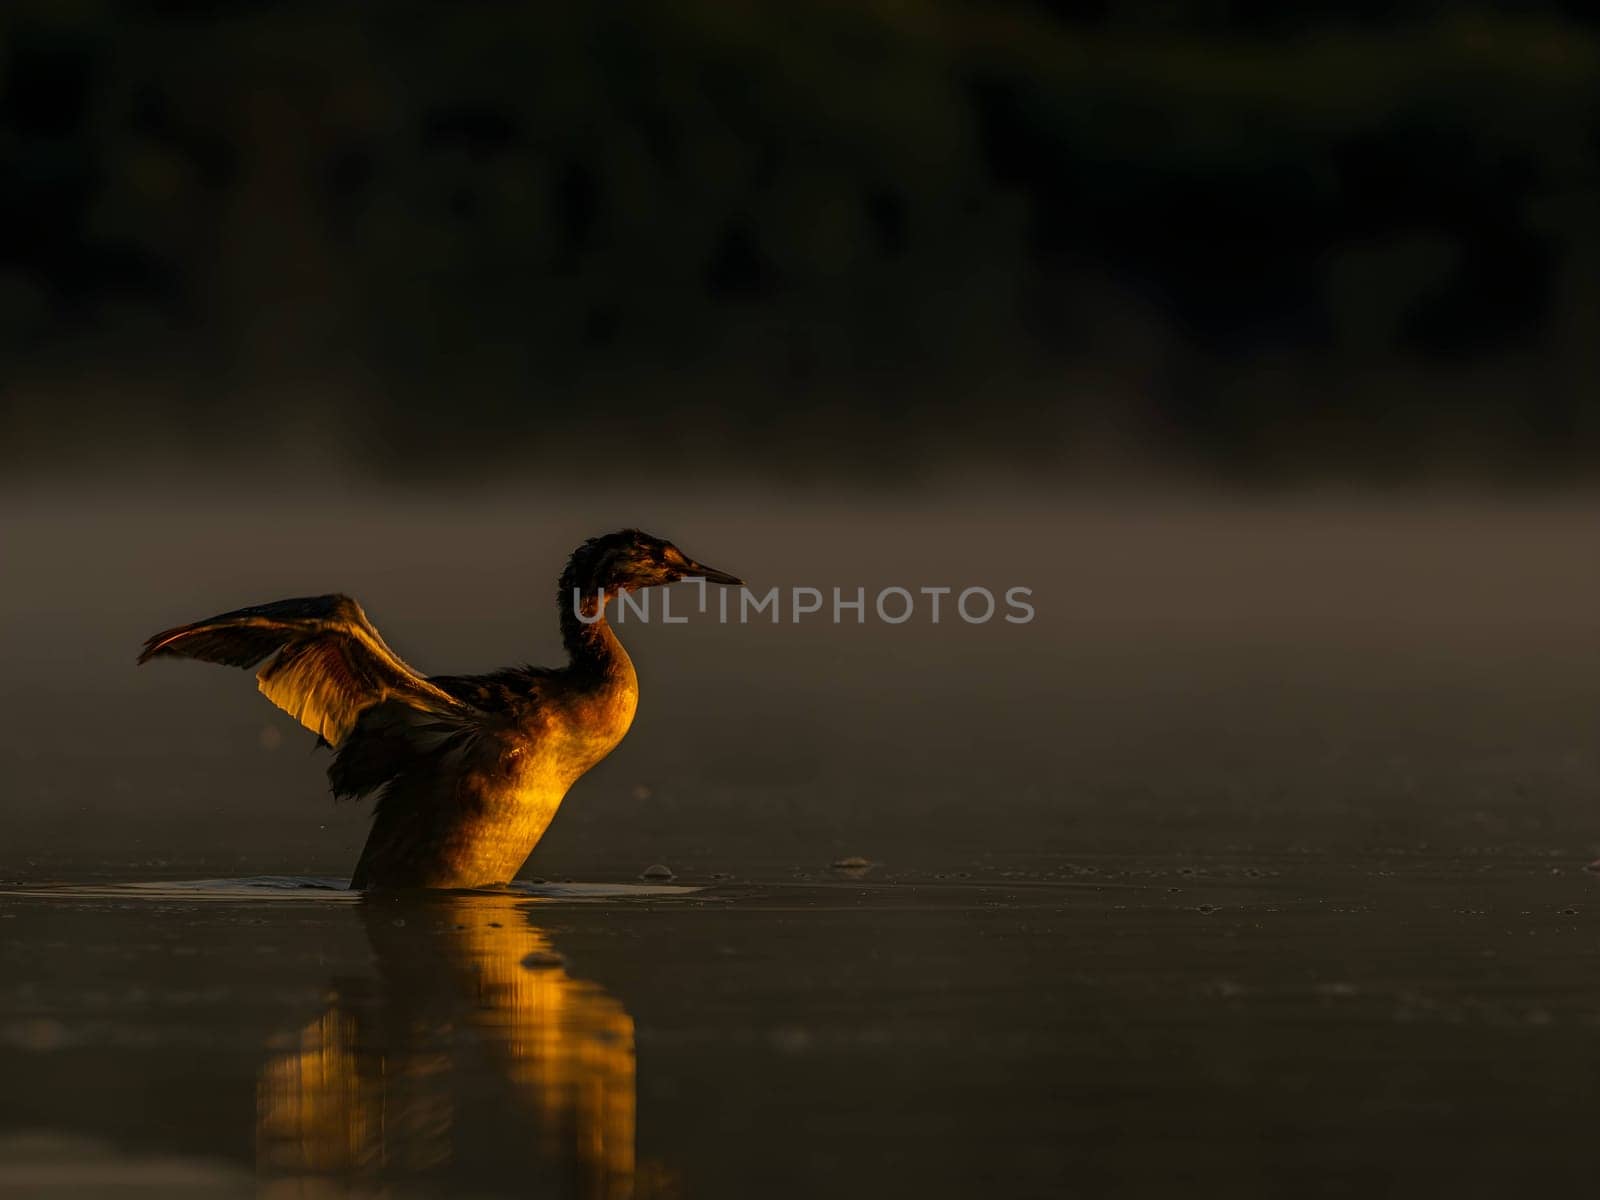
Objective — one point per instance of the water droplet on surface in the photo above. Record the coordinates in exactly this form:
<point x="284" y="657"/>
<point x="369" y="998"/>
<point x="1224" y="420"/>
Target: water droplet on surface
<point x="657" y="871"/>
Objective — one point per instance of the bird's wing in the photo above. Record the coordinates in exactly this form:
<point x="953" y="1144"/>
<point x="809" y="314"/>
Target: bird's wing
<point x="328" y="665"/>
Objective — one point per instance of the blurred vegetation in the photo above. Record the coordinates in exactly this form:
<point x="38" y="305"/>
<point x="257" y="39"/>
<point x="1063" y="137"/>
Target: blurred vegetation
<point x="1257" y="238"/>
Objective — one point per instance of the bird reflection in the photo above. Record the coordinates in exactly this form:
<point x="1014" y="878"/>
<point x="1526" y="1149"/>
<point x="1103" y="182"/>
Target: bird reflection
<point x="407" y="1075"/>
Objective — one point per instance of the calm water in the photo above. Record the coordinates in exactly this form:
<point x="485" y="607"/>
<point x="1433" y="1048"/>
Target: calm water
<point x="1241" y="1027"/>
<point x="1253" y="867"/>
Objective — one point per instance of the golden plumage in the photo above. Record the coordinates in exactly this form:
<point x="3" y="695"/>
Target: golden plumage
<point x="470" y="769"/>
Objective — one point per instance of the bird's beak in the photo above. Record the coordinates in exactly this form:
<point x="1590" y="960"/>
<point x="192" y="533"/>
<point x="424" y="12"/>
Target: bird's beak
<point x="710" y="574"/>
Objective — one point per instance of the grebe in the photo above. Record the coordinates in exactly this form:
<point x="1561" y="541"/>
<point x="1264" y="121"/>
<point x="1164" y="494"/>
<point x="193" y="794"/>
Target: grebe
<point x="470" y="769"/>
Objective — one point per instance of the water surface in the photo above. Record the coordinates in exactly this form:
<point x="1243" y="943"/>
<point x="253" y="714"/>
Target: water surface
<point x="1238" y="1026"/>
<point x="1253" y="867"/>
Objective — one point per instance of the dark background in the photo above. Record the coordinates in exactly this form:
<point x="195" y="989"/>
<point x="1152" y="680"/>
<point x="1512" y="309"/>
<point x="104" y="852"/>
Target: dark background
<point x="1258" y="340"/>
<point x="1247" y="241"/>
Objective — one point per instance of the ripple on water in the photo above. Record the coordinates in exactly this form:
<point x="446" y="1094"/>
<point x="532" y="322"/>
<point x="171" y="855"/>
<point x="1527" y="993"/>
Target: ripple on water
<point x="314" y="888"/>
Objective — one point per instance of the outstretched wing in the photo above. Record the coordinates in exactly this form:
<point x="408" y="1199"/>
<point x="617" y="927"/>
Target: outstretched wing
<point x="328" y="663"/>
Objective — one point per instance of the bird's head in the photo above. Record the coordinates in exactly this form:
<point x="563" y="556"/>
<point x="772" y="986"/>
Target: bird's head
<point x="631" y="559"/>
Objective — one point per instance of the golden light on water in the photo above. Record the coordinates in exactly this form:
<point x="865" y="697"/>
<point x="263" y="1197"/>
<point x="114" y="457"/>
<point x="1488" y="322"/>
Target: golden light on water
<point x="377" y="1088"/>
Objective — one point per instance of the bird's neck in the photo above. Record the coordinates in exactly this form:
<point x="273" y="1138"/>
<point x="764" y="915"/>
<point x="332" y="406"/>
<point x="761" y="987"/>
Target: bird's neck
<point x="592" y="645"/>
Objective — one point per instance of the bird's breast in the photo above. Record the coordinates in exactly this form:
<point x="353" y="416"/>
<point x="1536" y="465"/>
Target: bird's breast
<point x="570" y="733"/>
<point x="596" y="721"/>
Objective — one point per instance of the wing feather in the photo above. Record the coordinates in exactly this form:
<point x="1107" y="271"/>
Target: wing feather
<point x="328" y="664"/>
